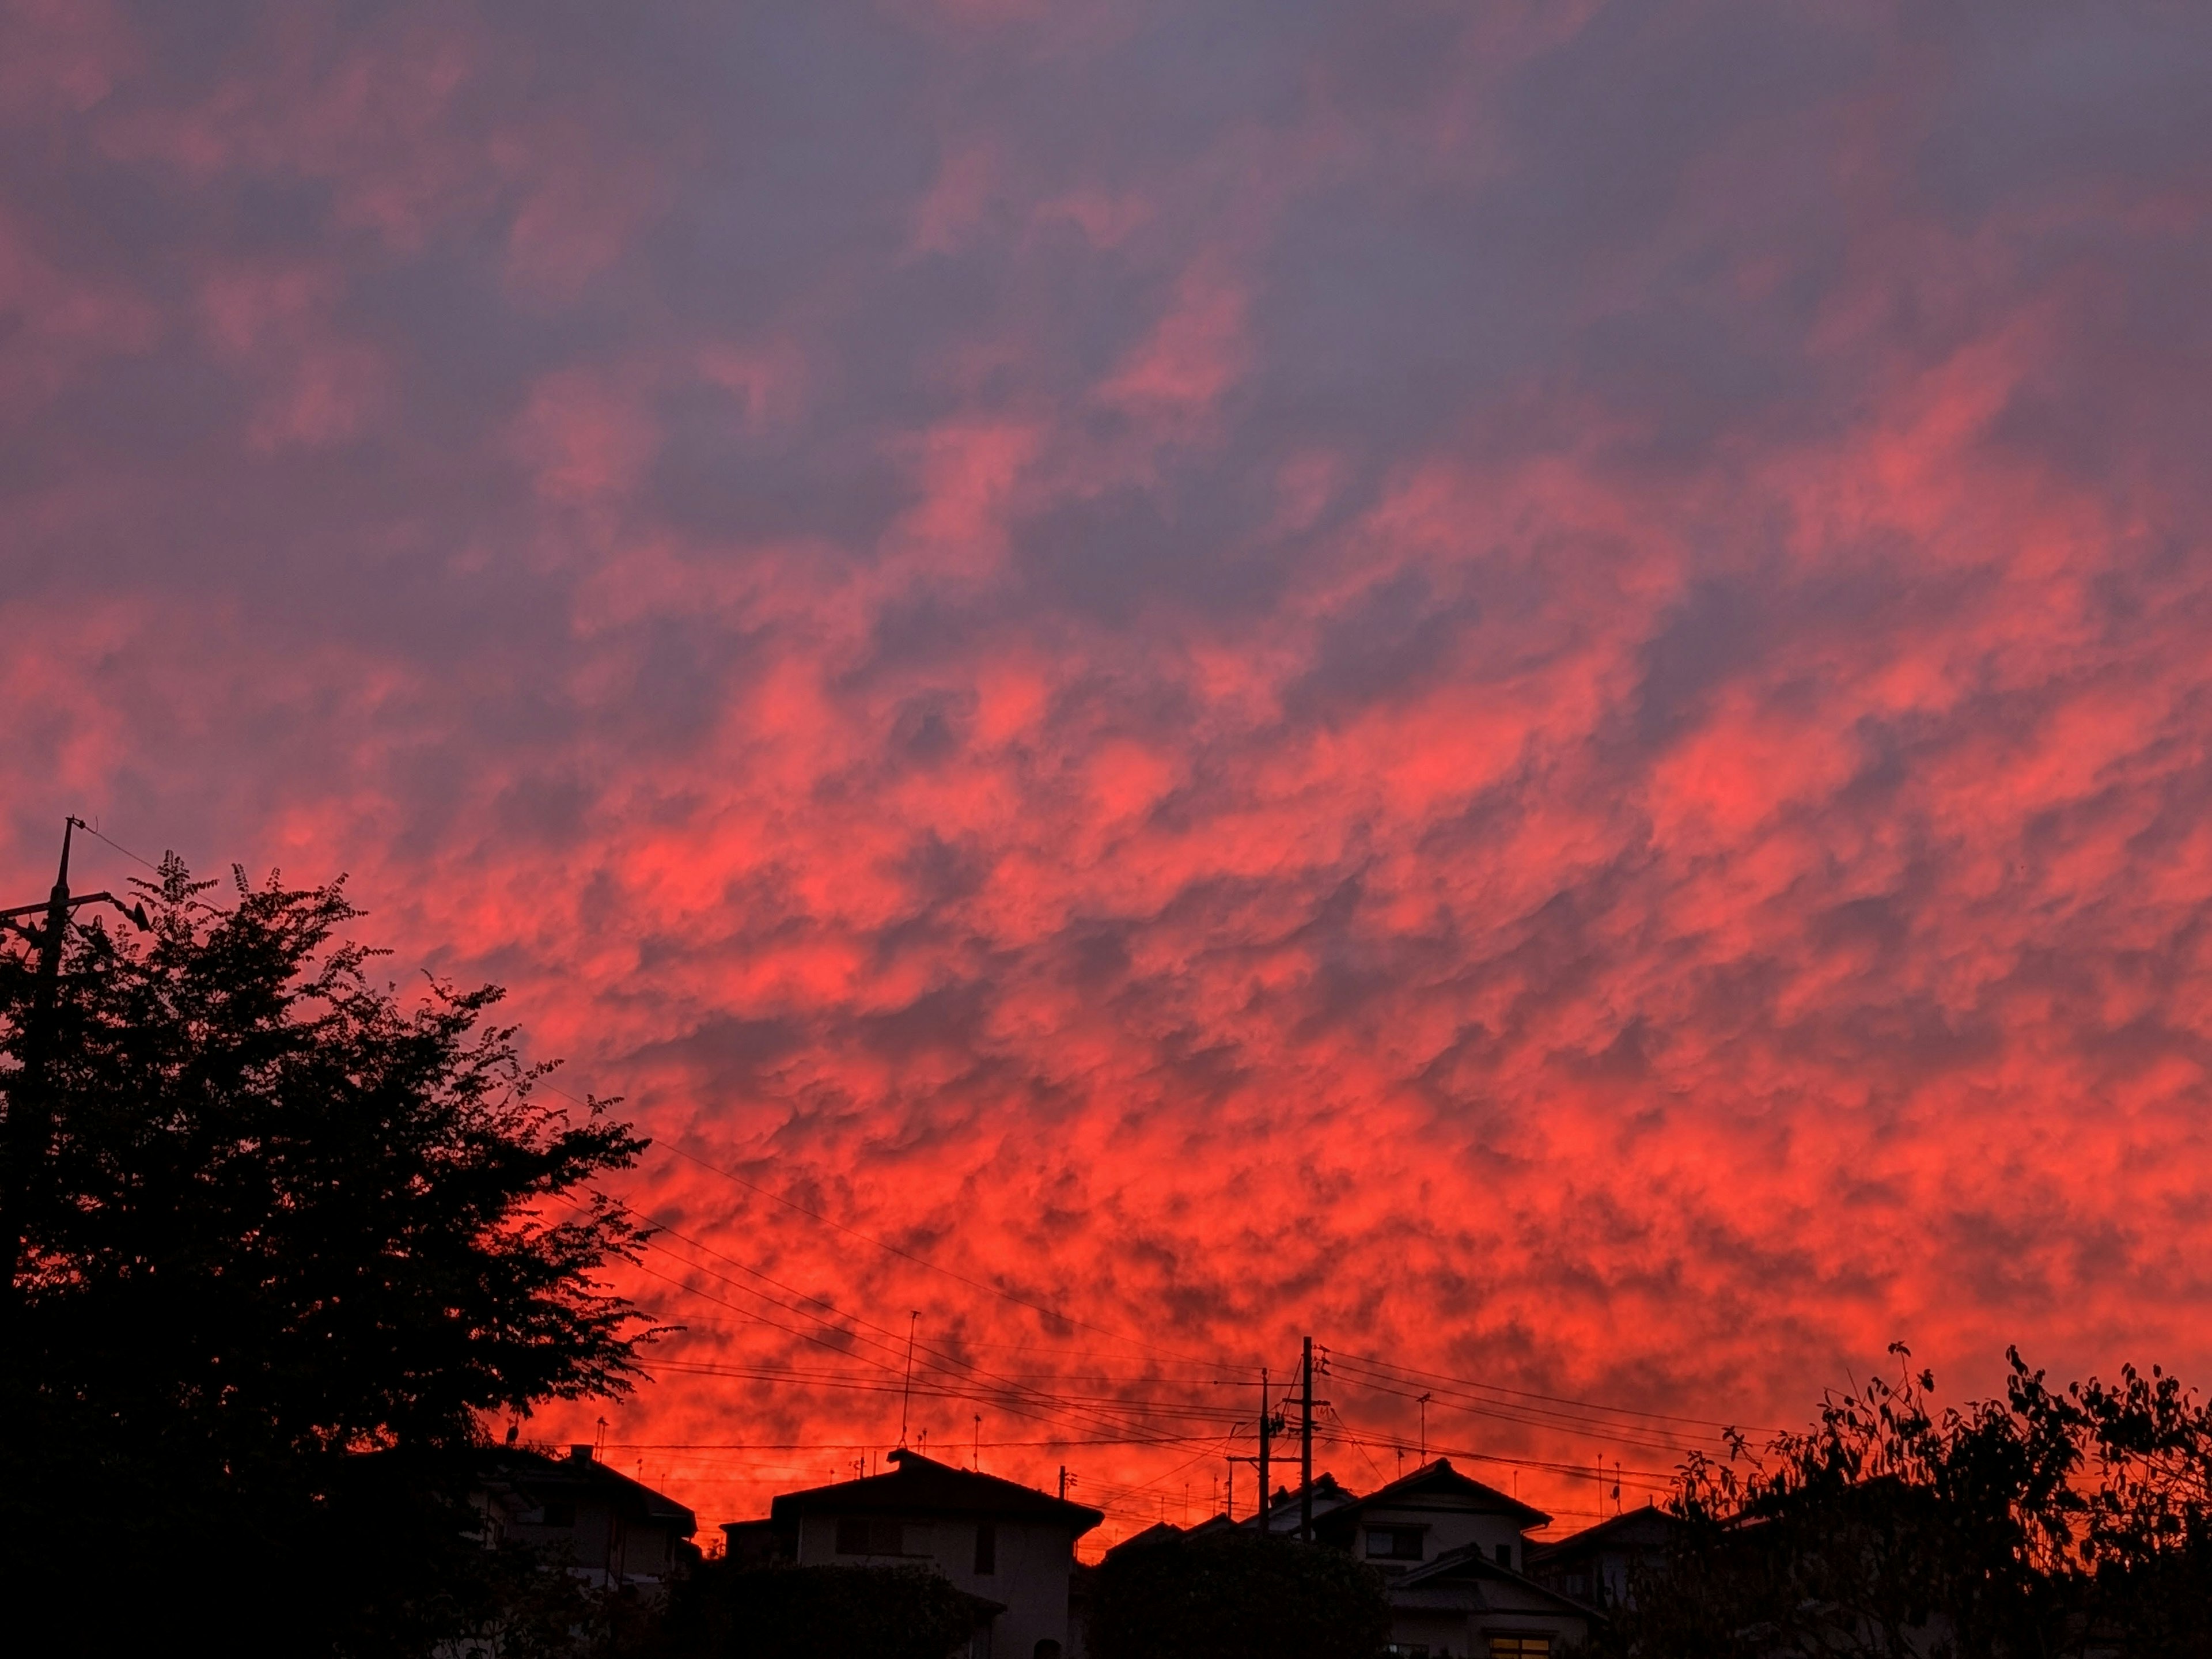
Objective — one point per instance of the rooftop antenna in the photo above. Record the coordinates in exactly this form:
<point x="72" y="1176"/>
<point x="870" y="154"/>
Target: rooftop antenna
<point x="977" y="1459"/>
<point x="906" y="1394"/>
<point x="1424" y="1426"/>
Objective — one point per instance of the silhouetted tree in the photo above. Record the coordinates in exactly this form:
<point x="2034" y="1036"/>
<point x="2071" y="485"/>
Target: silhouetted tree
<point x="274" y="1219"/>
<point x="727" y="1610"/>
<point x="1231" y="1595"/>
<point x="2050" y="1522"/>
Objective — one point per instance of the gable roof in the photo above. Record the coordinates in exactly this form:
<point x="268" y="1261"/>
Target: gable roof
<point x="1158" y="1533"/>
<point x="1283" y="1507"/>
<point x="579" y="1475"/>
<point x="1439" y="1485"/>
<point x="1469" y="1567"/>
<point x="921" y="1486"/>
<point x="1634" y="1530"/>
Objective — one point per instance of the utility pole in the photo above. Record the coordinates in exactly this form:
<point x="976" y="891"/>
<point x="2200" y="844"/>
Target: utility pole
<point x="1305" y="1452"/>
<point x="906" y="1393"/>
<point x="1267" y="1433"/>
<point x="1063" y="1483"/>
<point x="29" y="1110"/>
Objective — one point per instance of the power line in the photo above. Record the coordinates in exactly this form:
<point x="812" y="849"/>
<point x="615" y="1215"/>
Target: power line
<point x="1000" y="1291"/>
<point x="1536" y="1418"/>
<point x="119" y="847"/>
<point x="1101" y="1412"/>
<point x="924" y="1261"/>
<point x="1548" y="1398"/>
<point x="1050" y="1403"/>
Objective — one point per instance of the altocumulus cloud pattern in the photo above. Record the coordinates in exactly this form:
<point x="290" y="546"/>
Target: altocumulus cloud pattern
<point x="1523" y="684"/>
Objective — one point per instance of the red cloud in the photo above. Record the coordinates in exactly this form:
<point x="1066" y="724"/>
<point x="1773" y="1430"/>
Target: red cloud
<point x="1463" y="730"/>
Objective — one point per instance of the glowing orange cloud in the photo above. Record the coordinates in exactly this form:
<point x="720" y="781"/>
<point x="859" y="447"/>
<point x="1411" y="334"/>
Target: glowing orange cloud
<point x="1487" y="692"/>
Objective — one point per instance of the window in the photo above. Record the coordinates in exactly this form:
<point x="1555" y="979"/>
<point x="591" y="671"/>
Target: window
<point x="987" y="1547"/>
<point x="559" y="1512"/>
<point x="859" y="1535"/>
<point x="1520" y="1647"/>
<point x="1394" y="1543"/>
<point x="1505" y="1555"/>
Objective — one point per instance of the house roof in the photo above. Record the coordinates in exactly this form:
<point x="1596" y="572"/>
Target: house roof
<point x="1158" y="1533"/>
<point x="921" y="1486"/>
<point x="1439" y="1485"/>
<point x="1646" y="1528"/>
<point x="1468" y="1569"/>
<point x="579" y="1473"/>
<point x="1283" y="1507"/>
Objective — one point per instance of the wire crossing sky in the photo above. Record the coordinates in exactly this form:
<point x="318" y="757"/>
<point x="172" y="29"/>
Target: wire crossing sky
<point x="1522" y="686"/>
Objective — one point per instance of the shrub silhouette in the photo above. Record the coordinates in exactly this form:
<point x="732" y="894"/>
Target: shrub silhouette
<point x="2053" y="1523"/>
<point x="1233" y="1595"/>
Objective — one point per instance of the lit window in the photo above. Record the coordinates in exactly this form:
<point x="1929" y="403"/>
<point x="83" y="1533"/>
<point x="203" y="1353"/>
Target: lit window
<point x="1520" y="1647"/>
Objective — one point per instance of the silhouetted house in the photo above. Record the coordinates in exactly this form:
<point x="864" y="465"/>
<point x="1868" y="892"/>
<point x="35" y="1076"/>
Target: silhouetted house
<point x="1455" y="1555"/>
<point x="756" y="1543"/>
<point x="613" y="1531"/>
<point x="1463" y="1602"/>
<point x="1595" y="1565"/>
<point x="1433" y="1511"/>
<point x="1458" y="1566"/>
<point x="1157" y="1533"/>
<point x="1283" y="1510"/>
<point x="993" y="1539"/>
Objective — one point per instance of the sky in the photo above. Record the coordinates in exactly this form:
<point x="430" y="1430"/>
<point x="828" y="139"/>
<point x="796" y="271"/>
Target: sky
<point x="1522" y="686"/>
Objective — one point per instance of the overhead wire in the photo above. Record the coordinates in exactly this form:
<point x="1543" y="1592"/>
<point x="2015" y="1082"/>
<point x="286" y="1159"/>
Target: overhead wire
<point x="937" y="1359"/>
<point x="1000" y="1291"/>
<point x="945" y="1374"/>
<point x="1339" y="1355"/>
<point x="1007" y="1393"/>
<point x="905" y="1254"/>
<point x="1132" y="1423"/>
<point x="118" y="846"/>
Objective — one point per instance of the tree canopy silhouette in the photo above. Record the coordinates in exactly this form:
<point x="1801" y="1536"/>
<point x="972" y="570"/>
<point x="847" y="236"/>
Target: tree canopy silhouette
<point x="1235" y="1595"/>
<point x="286" y="1242"/>
<point x="727" y="1610"/>
<point x="2052" y="1522"/>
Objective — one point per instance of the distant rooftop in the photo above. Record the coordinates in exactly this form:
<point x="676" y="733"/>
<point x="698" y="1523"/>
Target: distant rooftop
<point x="921" y="1486"/>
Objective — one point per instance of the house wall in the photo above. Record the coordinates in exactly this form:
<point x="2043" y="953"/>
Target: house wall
<point x="1435" y="1634"/>
<point x="1030" y="1574"/>
<point x="1447" y="1529"/>
<point x="1466" y="1636"/>
<point x="1503" y="1618"/>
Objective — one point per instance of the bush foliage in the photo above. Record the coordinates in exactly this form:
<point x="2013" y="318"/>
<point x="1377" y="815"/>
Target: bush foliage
<point x="1233" y="1595"/>
<point x="728" y="1611"/>
<point x="2054" y="1522"/>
